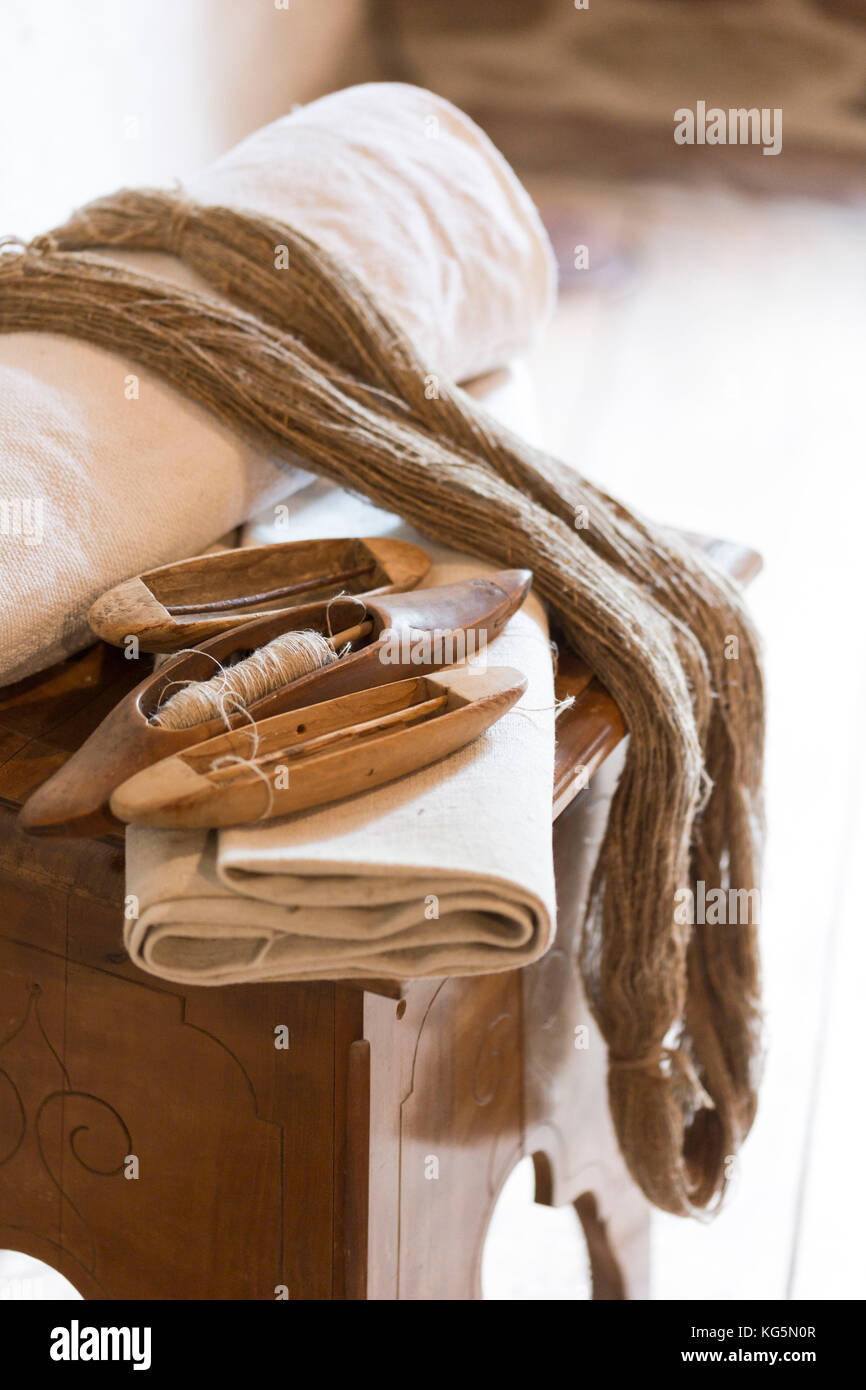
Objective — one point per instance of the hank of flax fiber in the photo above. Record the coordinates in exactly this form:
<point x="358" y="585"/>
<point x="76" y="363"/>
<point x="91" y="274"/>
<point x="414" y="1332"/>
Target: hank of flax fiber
<point x="305" y="363"/>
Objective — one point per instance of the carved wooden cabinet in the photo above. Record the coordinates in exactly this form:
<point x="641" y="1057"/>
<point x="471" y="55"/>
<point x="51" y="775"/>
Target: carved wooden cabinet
<point x="156" y="1143"/>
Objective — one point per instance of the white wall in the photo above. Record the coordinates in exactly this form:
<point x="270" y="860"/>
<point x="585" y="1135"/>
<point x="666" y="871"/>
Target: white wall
<point x="99" y="93"/>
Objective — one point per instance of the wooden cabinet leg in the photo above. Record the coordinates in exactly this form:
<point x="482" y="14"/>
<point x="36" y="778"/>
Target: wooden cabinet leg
<point x="568" y="1130"/>
<point x="607" y="1278"/>
<point x="619" y="1249"/>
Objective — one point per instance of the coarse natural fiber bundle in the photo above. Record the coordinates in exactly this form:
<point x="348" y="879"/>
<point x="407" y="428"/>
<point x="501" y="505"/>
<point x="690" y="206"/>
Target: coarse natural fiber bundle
<point x="303" y="361"/>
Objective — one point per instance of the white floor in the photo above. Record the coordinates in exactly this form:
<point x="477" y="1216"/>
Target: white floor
<point x="23" y="1278"/>
<point x="533" y="1252"/>
<point x="720" y="386"/>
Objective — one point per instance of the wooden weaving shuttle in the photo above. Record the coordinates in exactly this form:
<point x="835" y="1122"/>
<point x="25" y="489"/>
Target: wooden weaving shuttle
<point x="186" y="603"/>
<point x="409" y="634"/>
<point x="319" y="753"/>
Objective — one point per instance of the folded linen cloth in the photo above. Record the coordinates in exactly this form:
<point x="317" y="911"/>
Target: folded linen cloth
<point x="448" y="871"/>
<point x="105" y="470"/>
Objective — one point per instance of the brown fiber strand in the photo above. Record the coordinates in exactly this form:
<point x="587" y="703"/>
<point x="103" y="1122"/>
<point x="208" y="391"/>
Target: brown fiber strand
<point x="304" y="362"/>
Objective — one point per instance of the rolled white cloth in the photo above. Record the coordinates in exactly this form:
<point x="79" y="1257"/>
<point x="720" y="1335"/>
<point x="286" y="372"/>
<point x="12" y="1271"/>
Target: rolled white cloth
<point x="106" y="471"/>
<point x="446" y="872"/>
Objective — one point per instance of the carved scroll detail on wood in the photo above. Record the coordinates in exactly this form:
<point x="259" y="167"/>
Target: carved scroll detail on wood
<point x="93" y="1112"/>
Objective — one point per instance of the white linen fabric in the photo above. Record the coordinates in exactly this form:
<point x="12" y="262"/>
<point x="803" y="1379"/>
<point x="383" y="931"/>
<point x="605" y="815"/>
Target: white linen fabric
<point x="106" y="471"/>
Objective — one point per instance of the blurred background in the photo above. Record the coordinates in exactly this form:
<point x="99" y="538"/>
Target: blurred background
<point x="706" y="363"/>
